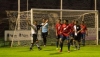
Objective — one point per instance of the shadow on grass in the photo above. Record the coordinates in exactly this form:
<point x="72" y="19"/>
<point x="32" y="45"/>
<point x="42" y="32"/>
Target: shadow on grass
<point x="71" y="51"/>
<point x="49" y="50"/>
<point x="25" y="50"/>
<point x="55" y="53"/>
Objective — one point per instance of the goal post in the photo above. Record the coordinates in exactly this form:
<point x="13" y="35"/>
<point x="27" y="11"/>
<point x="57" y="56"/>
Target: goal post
<point x="89" y="16"/>
<point x="96" y="17"/>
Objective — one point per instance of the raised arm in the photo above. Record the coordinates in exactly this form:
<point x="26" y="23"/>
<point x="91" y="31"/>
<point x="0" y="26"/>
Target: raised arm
<point x="45" y="23"/>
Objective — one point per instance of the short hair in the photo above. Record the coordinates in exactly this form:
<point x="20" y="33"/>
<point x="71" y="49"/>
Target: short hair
<point x="59" y="19"/>
<point x="34" y="21"/>
<point x="43" y="19"/>
<point x="76" y="21"/>
<point x="66" y="21"/>
<point x="82" y="21"/>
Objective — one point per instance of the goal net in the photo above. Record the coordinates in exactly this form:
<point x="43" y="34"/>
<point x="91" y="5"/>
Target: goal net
<point x="13" y="19"/>
<point x="24" y="34"/>
<point x="89" y="16"/>
<point x="19" y="32"/>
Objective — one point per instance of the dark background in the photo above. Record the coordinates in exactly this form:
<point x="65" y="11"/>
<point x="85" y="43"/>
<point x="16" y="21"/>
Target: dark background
<point x="45" y="4"/>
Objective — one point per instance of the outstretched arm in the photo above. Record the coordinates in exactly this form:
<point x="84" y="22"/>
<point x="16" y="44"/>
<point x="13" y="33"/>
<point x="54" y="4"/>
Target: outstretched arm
<point x="29" y="23"/>
<point x="45" y="23"/>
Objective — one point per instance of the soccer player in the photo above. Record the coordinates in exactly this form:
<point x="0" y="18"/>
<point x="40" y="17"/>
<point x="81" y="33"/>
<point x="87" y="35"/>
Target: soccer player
<point x="83" y="32"/>
<point x="58" y="27"/>
<point x="34" y="34"/>
<point x="44" y="30"/>
<point x="72" y="32"/>
<point x="77" y="35"/>
<point x="65" y="32"/>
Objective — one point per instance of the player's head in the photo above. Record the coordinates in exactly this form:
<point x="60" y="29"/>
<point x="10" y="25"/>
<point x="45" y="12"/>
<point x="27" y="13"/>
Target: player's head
<point x="73" y="21"/>
<point x="43" y="20"/>
<point x="65" y="21"/>
<point x="76" y="22"/>
<point x="35" y="22"/>
<point x="59" y="21"/>
<point x="82" y="22"/>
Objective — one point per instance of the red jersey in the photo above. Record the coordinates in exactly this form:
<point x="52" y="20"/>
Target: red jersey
<point x="58" y="27"/>
<point x="65" y="29"/>
<point x="83" y="28"/>
<point x="72" y="27"/>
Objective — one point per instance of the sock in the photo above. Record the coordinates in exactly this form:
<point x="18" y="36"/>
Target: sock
<point x="79" y="46"/>
<point x="75" y="45"/>
<point x="57" y="44"/>
<point x="83" y="42"/>
<point x="31" y="45"/>
<point x="68" y="46"/>
<point x="61" y="46"/>
<point x="37" y="45"/>
<point x="71" y="41"/>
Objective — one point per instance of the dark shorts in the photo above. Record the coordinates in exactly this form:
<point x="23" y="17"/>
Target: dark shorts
<point x="78" y="37"/>
<point x="34" y="37"/>
<point x="83" y="35"/>
<point x="72" y="35"/>
<point x="64" y="37"/>
<point x="58" y="37"/>
<point x="44" y="34"/>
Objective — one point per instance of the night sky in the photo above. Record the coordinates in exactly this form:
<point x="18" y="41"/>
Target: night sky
<point x="67" y="4"/>
<point x="47" y="4"/>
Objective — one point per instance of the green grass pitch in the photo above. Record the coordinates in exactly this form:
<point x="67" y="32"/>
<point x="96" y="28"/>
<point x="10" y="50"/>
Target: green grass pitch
<point x="50" y="51"/>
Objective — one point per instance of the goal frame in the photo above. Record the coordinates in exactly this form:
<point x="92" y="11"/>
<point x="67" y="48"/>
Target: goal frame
<point x="94" y="11"/>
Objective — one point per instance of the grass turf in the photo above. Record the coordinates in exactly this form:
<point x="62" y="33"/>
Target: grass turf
<point x="50" y="51"/>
